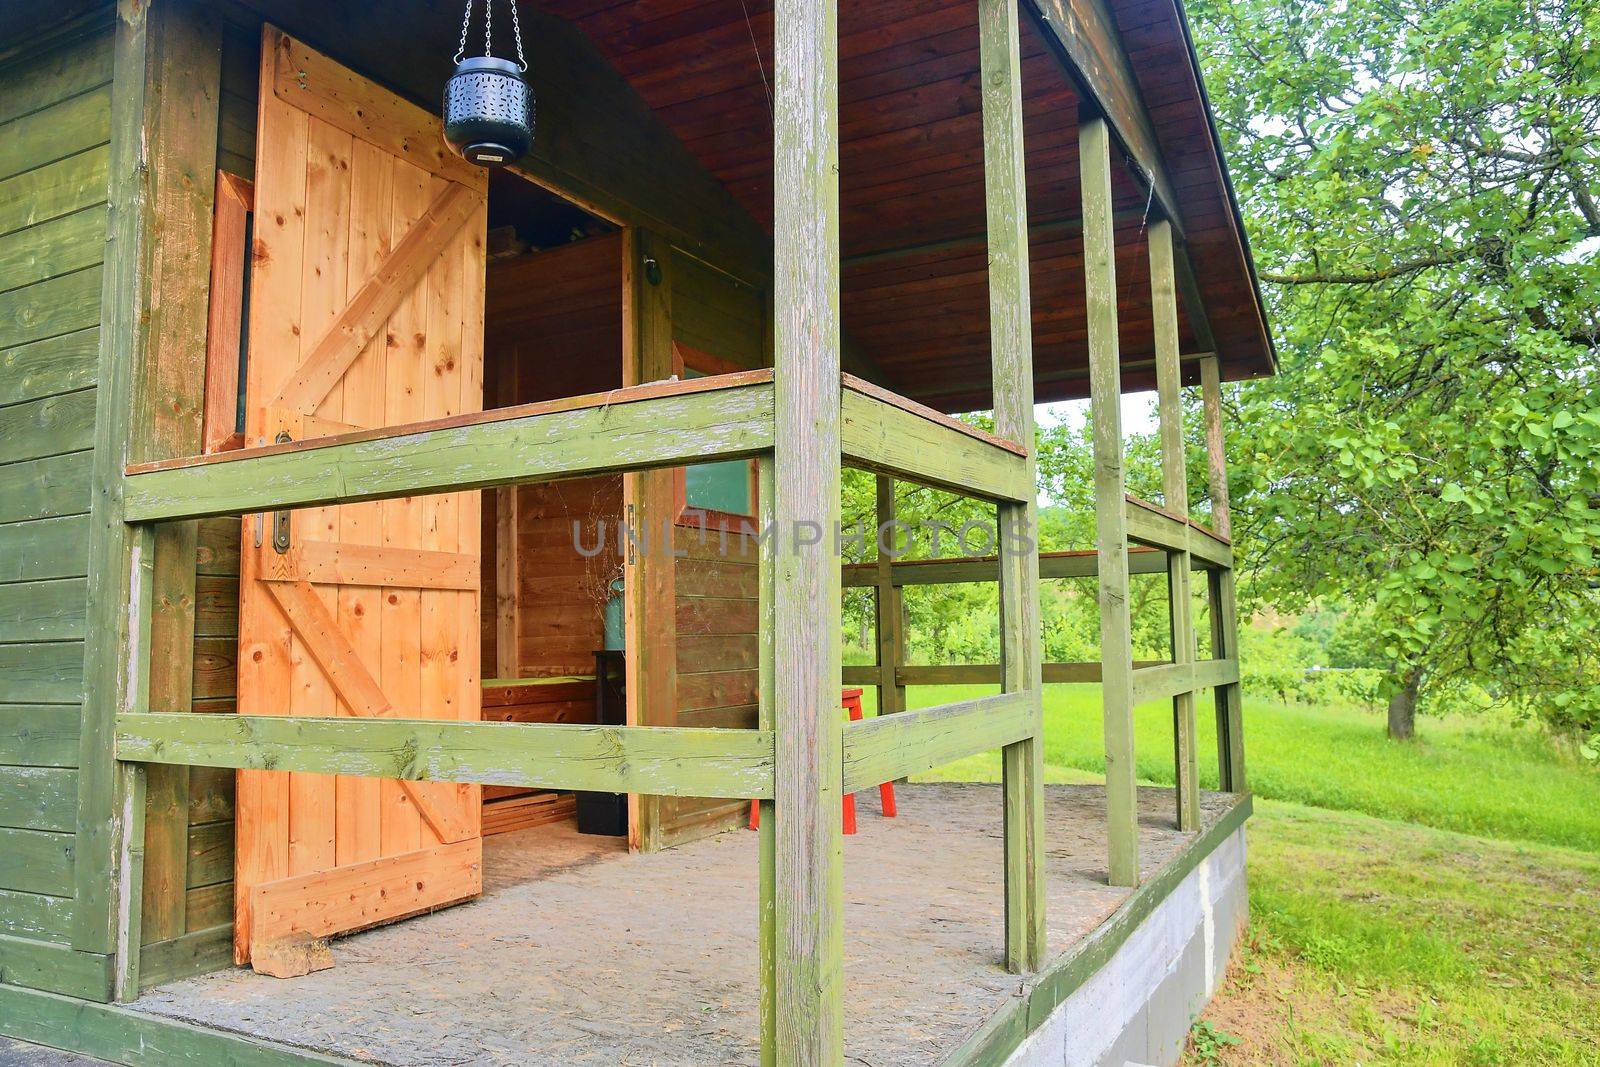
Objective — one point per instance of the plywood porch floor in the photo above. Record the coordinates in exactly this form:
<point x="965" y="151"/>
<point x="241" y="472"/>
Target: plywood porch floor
<point x="579" y="953"/>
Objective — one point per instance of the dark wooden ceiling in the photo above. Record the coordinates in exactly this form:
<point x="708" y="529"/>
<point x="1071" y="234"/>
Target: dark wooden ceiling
<point x="911" y="177"/>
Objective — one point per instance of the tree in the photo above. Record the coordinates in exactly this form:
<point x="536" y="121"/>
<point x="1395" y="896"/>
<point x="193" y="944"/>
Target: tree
<point x="1418" y="178"/>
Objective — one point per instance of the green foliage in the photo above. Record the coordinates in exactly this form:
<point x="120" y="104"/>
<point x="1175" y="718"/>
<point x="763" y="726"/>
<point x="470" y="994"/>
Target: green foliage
<point x="1479" y="774"/>
<point x="1417" y="177"/>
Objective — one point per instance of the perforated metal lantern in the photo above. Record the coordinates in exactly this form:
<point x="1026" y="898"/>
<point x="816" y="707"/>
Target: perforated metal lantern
<point x="488" y="111"/>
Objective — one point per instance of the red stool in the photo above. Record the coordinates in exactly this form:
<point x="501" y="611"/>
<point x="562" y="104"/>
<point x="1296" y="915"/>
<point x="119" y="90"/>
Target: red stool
<point x="850" y="700"/>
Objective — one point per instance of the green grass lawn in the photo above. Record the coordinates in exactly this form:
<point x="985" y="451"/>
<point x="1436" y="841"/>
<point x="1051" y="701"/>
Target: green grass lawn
<point x="1477" y="776"/>
<point x="1429" y="903"/>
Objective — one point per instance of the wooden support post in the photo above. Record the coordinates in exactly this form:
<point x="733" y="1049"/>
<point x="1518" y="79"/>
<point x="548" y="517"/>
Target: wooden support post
<point x="808" y="958"/>
<point x="1175" y="497"/>
<point x="1110" y="504"/>
<point x="1011" y="355"/>
<point x="888" y="607"/>
<point x="1224" y="612"/>
<point x="649" y="501"/>
<point x="766" y="631"/>
<point x="182" y="99"/>
<point x="106" y="883"/>
<point x="507" y="584"/>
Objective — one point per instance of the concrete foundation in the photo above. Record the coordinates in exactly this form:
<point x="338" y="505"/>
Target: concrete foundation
<point x="1138" y="1007"/>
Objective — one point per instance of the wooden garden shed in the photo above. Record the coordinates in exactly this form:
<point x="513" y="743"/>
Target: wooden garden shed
<point x="359" y="507"/>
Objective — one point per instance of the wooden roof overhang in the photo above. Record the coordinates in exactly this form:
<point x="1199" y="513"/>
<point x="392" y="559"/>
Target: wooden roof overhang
<point x="915" y="299"/>
<point x="658" y="112"/>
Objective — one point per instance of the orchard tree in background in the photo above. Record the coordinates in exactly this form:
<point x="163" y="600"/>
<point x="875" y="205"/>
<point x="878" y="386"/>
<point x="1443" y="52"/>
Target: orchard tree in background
<point x="1419" y="180"/>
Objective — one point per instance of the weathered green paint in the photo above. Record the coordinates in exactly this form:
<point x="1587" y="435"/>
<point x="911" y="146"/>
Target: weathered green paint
<point x="1011" y="356"/>
<point x="54" y="967"/>
<point x="666" y="761"/>
<point x="47" y="427"/>
<point x="47" y="549"/>
<point x="45" y="488"/>
<point x="50" y="673"/>
<point x="185" y="87"/>
<point x="43" y="611"/>
<point x="39" y="735"/>
<point x="1166" y="680"/>
<point x="36" y="861"/>
<point x="1111" y="538"/>
<point x="1009" y="1027"/>
<point x="35" y="916"/>
<point x="45" y="368"/>
<point x="73" y="124"/>
<point x="809" y="944"/>
<point x="54" y="189"/>
<point x="116" y="1034"/>
<point x="880" y="437"/>
<point x="1220" y="587"/>
<point x="53" y="248"/>
<point x="40" y="81"/>
<point x="661" y="431"/>
<point x="1148" y="527"/>
<point x="38" y="798"/>
<point x="114" y="550"/>
<point x="987" y="568"/>
<point x="890" y="747"/>
<point x="888" y="604"/>
<point x="1175" y="497"/>
<point x="767" y="874"/>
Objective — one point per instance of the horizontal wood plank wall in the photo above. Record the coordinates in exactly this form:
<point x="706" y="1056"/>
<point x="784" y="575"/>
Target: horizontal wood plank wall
<point x="54" y="158"/>
<point x="715" y="584"/>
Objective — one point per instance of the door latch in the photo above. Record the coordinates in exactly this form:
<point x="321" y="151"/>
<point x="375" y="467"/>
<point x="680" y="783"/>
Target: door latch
<point x="281" y="519"/>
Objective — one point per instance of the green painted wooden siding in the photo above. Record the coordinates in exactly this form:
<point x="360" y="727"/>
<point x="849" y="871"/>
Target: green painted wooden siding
<point x="54" y="133"/>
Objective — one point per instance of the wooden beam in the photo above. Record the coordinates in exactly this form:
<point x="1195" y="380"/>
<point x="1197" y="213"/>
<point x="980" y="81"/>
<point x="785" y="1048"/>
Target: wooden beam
<point x="650" y="506"/>
<point x="1011" y="357"/>
<point x="1073" y="564"/>
<point x="634" y="428"/>
<point x="1084" y="37"/>
<point x="808" y="876"/>
<point x="1175" y="495"/>
<point x="1216" y="448"/>
<point x="977" y="242"/>
<point x="767" y="840"/>
<point x="890" y="747"/>
<point x="888" y="603"/>
<point x="1111" y="534"/>
<point x="182" y="98"/>
<point x="684" y="761"/>
<point x="110" y="834"/>
<point x="891" y="435"/>
<point x="1220" y="588"/>
<point x="1156" y="527"/>
<point x="1170" y="680"/>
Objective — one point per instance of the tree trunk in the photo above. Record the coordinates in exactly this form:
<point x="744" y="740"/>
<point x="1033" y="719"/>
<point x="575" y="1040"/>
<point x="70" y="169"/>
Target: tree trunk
<point x="1403" y="707"/>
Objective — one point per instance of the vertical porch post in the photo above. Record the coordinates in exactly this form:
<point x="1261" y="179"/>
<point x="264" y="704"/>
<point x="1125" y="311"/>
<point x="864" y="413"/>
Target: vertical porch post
<point x="649" y="498"/>
<point x="1110" y="497"/>
<point x="1011" y="353"/>
<point x="889" y="615"/>
<point x="1175" y="497"/>
<point x="110" y="795"/>
<point x="1224" y="619"/>
<point x="808" y="874"/>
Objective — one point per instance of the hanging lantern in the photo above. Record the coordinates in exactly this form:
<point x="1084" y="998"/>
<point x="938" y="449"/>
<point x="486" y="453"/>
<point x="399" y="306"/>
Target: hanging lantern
<point x="488" y="107"/>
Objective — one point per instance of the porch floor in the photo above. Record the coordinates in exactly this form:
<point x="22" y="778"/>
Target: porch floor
<point x="579" y="953"/>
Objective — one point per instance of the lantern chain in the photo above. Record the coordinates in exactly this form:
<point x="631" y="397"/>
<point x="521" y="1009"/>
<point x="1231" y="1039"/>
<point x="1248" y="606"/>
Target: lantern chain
<point x="488" y="31"/>
<point x="466" y="24"/>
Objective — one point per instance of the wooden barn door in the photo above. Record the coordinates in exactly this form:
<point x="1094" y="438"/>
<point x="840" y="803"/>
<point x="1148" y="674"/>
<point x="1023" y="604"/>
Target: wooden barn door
<point x="366" y="310"/>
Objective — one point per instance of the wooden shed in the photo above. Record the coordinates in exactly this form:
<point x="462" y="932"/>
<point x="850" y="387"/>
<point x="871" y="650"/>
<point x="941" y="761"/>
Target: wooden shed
<point x="360" y="508"/>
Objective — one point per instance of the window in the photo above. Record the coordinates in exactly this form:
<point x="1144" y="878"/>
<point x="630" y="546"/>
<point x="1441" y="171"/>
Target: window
<point x="228" y="322"/>
<point x="714" y="495"/>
